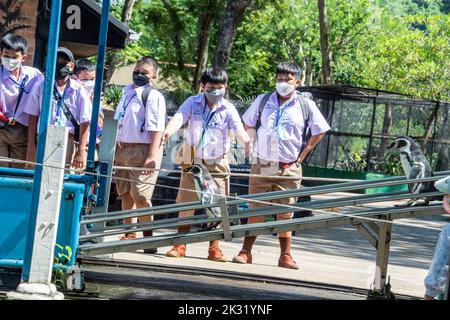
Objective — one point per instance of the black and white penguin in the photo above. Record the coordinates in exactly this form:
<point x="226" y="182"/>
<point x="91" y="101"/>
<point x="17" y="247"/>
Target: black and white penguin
<point x="415" y="165"/>
<point x="207" y="191"/>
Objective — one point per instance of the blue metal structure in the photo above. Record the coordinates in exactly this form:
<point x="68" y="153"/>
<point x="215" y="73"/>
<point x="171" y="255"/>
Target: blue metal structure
<point x="16" y="218"/>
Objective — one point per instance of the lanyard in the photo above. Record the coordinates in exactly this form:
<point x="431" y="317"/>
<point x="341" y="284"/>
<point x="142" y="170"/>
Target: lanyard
<point x="125" y="104"/>
<point x="280" y="112"/>
<point x="19" y="98"/>
<point x="21" y="87"/>
<point x="206" y="123"/>
<point x="60" y="100"/>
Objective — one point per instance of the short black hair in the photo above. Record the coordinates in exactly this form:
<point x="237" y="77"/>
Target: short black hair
<point x="83" y="64"/>
<point x="149" y="61"/>
<point x="215" y="75"/>
<point x="289" y="68"/>
<point x="14" y="42"/>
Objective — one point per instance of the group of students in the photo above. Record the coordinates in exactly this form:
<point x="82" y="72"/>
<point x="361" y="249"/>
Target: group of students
<point x="272" y="131"/>
<point x="21" y="100"/>
<point x="276" y="145"/>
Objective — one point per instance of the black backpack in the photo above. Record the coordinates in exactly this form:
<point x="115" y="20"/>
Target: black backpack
<point x="144" y="97"/>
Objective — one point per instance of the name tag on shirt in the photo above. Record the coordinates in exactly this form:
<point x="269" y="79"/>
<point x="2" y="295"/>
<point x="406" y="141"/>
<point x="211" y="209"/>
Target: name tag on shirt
<point x="118" y="115"/>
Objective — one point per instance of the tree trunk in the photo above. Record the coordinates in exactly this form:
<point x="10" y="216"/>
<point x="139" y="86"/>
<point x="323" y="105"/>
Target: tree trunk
<point x="309" y="71"/>
<point x="324" y="44"/>
<point x="127" y="11"/>
<point x="177" y="29"/>
<point x="205" y="22"/>
<point x="112" y="57"/>
<point x="443" y="159"/>
<point x="428" y="127"/>
<point x="233" y="15"/>
<point x="387" y="123"/>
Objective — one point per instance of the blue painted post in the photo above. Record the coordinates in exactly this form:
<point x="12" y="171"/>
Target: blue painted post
<point x="102" y="41"/>
<point x="55" y="22"/>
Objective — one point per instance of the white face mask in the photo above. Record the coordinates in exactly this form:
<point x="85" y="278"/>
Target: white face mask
<point x="11" y="64"/>
<point x="88" y="85"/>
<point x="284" y="89"/>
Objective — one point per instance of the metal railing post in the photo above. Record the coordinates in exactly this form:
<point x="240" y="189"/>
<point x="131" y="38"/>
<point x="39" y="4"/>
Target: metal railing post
<point x="225" y="220"/>
<point x="102" y="41"/>
<point x="44" y="120"/>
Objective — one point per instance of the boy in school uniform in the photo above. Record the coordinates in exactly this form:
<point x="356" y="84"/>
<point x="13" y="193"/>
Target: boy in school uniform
<point x="84" y="73"/>
<point x="279" y="148"/>
<point x="210" y="118"/>
<point x="16" y="80"/>
<point x="71" y="107"/>
<point x="141" y="116"/>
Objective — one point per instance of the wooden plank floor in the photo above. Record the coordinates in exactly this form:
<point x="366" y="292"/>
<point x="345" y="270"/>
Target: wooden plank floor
<point x="338" y="256"/>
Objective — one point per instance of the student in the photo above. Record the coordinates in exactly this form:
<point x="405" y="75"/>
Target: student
<point x="16" y="80"/>
<point x="71" y="107"/>
<point x="84" y="73"/>
<point x="141" y="116"/>
<point x="210" y="118"/>
<point x="279" y="149"/>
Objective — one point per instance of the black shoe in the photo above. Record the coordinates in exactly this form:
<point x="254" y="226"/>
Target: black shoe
<point x="151" y="250"/>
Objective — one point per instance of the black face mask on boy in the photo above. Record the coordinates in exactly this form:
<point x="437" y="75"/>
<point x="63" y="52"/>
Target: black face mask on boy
<point x="62" y="71"/>
<point x="140" y="79"/>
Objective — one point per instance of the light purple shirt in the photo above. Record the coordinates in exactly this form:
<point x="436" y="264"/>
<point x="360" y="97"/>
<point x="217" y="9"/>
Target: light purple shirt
<point x="76" y="100"/>
<point x="282" y="143"/>
<point x="136" y="122"/>
<point x="10" y="88"/>
<point x="224" y="117"/>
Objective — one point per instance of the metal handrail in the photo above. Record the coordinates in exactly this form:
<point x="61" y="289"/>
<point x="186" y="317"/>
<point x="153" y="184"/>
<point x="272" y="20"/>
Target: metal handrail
<point x="261" y="197"/>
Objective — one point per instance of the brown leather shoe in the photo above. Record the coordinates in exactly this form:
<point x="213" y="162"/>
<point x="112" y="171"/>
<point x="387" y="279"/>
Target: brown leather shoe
<point x="178" y="251"/>
<point x="215" y="254"/>
<point x="286" y="261"/>
<point x="128" y="236"/>
<point x="244" y="256"/>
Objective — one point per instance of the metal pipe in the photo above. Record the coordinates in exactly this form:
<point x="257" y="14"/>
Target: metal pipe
<point x="181" y="207"/>
<point x="271" y="210"/>
<point x="262" y="197"/>
<point x="252" y="229"/>
<point x="44" y="120"/>
<point x="102" y="40"/>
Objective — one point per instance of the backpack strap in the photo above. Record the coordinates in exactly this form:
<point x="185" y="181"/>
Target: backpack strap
<point x="144" y="97"/>
<point x="261" y="106"/>
<point x="306" y="112"/>
<point x="68" y="114"/>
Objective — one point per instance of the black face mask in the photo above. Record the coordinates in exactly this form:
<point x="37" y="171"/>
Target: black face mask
<point x="62" y="71"/>
<point x="140" y="79"/>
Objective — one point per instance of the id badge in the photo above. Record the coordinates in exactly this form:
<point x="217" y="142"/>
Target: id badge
<point x="279" y="133"/>
<point x="118" y="115"/>
<point x="119" y="129"/>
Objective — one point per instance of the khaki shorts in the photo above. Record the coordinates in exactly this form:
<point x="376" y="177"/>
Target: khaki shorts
<point x="133" y="155"/>
<point x="261" y="185"/>
<point x="13" y="144"/>
<point x="219" y="165"/>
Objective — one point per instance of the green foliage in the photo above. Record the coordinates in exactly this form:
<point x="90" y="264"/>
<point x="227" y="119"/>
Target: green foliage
<point x="63" y="254"/>
<point x="394" y="45"/>
<point x="62" y="257"/>
<point x="112" y="96"/>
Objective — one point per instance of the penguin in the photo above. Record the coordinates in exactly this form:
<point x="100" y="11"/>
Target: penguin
<point x="415" y="165"/>
<point x="207" y="192"/>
